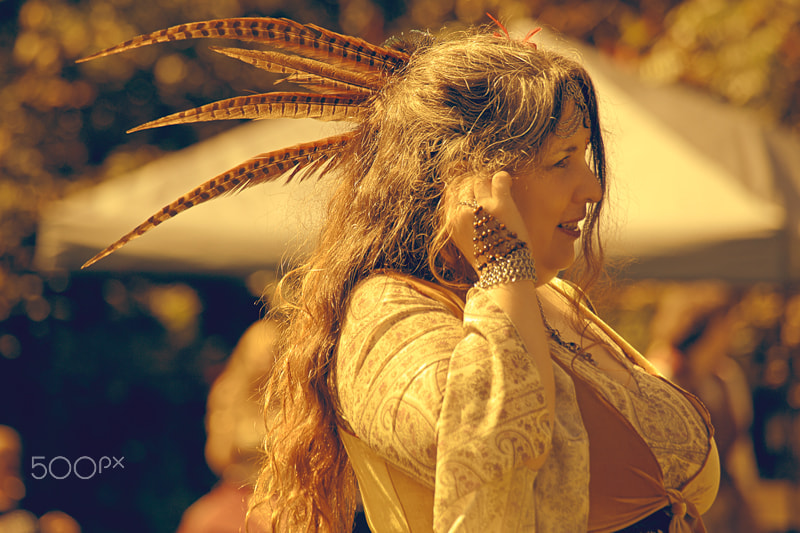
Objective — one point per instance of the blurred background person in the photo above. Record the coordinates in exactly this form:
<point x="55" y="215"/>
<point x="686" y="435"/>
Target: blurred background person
<point x="235" y="428"/>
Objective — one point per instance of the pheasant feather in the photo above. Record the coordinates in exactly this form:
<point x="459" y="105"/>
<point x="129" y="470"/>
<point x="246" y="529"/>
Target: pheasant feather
<point x="306" y="72"/>
<point x="305" y="39"/>
<point x="270" y="105"/>
<point x="299" y="159"/>
<point x="344" y="71"/>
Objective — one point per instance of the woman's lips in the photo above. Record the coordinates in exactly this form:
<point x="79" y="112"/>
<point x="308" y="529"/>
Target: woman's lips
<point x="570" y="228"/>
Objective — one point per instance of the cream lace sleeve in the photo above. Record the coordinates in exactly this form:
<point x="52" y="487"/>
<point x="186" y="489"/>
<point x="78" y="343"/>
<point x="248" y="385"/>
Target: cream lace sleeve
<point x="457" y="405"/>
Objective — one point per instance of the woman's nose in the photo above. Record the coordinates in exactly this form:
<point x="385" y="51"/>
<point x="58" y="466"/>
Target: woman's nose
<point x="590" y="189"/>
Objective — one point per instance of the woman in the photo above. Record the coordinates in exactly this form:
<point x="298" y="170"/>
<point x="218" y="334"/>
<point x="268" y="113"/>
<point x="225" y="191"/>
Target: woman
<point x="429" y="351"/>
<point x="473" y="409"/>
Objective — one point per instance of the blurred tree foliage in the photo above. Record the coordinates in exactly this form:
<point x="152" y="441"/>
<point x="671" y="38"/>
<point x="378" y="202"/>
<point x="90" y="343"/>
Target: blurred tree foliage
<point x="63" y="124"/>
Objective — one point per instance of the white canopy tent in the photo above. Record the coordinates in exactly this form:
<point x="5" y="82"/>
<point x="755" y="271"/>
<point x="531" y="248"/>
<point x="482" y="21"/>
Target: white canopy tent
<point x="677" y="208"/>
<point x="681" y="211"/>
<point x="712" y="189"/>
<point x="232" y="235"/>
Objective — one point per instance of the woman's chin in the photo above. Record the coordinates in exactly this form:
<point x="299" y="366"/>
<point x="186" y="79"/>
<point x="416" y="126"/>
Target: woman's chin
<point x="547" y="269"/>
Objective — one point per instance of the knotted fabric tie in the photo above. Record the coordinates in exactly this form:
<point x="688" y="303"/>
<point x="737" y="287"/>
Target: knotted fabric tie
<point x="679" y="508"/>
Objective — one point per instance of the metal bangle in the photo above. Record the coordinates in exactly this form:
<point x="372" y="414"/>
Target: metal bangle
<point x="516" y="266"/>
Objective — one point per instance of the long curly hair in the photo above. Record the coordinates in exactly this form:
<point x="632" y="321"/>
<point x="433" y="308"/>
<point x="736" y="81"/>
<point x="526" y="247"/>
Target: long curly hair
<point x="465" y="104"/>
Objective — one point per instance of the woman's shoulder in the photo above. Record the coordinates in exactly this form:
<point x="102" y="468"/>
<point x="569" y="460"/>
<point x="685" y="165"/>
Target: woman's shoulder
<point x="381" y="289"/>
<point x="573" y="291"/>
<point x="381" y="281"/>
<point x="390" y="289"/>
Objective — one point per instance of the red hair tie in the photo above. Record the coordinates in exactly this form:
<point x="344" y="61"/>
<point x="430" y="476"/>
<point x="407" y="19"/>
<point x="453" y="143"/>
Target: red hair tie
<point x="524" y="40"/>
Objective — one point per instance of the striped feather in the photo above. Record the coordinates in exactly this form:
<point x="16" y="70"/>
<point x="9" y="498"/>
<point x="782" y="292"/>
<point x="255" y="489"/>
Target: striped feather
<point x="312" y="82"/>
<point x="327" y="107"/>
<point x="301" y="159"/>
<point x="307" y="72"/>
<point x="305" y="39"/>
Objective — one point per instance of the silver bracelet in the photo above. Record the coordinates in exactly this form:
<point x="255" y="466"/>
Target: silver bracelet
<point x="516" y="266"/>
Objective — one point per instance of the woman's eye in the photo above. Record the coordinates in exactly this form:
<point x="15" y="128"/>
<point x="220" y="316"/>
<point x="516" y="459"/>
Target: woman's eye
<point x="562" y="163"/>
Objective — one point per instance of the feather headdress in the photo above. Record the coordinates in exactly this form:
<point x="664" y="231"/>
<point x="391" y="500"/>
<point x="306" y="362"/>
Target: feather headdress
<point x="340" y="73"/>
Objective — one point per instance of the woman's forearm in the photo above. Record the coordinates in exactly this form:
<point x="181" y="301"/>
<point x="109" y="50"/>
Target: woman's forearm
<point x="519" y="301"/>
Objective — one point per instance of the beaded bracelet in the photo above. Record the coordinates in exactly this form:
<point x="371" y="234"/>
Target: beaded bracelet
<point x="516" y="266"/>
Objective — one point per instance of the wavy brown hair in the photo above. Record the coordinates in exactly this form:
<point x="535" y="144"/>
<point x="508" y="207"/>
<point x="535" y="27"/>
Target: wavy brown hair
<point x="465" y="104"/>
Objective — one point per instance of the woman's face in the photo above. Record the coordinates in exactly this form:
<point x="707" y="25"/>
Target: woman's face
<point x="552" y="199"/>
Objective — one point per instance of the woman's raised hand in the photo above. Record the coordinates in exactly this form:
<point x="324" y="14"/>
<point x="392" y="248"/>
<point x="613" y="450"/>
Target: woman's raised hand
<point x="493" y="194"/>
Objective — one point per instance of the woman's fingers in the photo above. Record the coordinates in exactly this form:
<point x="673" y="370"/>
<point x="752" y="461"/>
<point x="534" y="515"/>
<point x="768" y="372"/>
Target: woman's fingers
<point x="494" y="192"/>
<point x="482" y="187"/>
<point x="494" y="195"/>
<point x="501" y="186"/>
<point x="462" y="230"/>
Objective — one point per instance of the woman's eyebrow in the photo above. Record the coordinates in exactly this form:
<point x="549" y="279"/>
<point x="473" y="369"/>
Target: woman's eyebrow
<point x="569" y="150"/>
